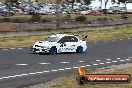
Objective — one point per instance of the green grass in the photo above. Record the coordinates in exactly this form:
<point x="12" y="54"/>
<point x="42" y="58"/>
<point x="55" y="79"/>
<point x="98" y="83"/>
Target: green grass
<point x="73" y="16"/>
<point x="65" y="83"/>
<point x="93" y="36"/>
<point x="2" y="0"/>
<point x="69" y="81"/>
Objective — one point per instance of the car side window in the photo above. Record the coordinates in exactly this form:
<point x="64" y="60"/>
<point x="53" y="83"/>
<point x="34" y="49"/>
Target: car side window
<point x="68" y="39"/>
<point x="72" y="39"/>
<point x="63" y="40"/>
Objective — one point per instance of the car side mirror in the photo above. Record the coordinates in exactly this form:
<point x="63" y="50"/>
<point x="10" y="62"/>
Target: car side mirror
<point x="84" y="37"/>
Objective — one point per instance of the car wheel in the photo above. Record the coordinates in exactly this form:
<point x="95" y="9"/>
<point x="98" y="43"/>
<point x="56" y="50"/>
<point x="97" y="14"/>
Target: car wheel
<point x="53" y="50"/>
<point x="79" y="49"/>
<point x="80" y="80"/>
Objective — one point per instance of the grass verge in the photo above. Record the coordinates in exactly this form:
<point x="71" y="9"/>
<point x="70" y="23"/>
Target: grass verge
<point x="93" y="36"/>
<point x="72" y="16"/>
<point x="63" y="82"/>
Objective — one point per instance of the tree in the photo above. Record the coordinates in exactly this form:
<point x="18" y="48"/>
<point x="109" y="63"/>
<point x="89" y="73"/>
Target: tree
<point x="58" y="1"/>
<point x="11" y="1"/>
<point x="122" y="1"/>
<point x="87" y="2"/>
<point x="58" y="13"/>
<point x="78" y="1"/>
<point x="72" y="2"/>
<point x="101" y="1"/>
<point x="105" y="1"/>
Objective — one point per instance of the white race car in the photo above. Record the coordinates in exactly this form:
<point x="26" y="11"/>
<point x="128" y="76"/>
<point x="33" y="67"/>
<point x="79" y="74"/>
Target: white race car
<point x="60" y="43"/>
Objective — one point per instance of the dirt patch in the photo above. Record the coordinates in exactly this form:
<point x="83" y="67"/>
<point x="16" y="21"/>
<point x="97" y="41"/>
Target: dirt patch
<point x="24" y="26"/>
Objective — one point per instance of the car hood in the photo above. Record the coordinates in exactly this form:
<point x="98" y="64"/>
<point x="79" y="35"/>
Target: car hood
<point x="44" y="43"/>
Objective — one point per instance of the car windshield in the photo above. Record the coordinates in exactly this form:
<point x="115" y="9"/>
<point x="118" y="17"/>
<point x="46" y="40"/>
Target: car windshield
<point x="52" y="39"/>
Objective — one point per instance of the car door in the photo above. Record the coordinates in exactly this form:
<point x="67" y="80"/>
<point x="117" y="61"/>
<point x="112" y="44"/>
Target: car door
<point x="72" y="43"/>
<point x="68" y="44"/>
<point x="62" y="44"/>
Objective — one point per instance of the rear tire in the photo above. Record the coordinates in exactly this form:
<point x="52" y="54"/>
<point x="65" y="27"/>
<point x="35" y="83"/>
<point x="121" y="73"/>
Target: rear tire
<point x="79" y="49"/>
<point x="53" y="50"/>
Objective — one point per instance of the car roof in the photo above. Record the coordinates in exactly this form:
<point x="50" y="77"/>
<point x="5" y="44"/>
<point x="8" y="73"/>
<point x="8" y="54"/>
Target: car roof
<point x="60" y="35"/>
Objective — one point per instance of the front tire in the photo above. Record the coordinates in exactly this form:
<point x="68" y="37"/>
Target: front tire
<point x="53" y="50"/>
<point x="79" y="49"/>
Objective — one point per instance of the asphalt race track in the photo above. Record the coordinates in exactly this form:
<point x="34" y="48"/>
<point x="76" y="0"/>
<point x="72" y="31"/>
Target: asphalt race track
<point x="18" y="67"/>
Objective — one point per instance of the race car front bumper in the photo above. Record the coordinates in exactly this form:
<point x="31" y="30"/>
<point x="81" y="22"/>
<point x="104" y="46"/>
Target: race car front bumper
<point x="39" y="50"/>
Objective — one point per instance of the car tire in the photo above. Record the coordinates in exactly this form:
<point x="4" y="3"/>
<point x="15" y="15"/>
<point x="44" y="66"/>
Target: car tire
<point x="79" y="49"/>
<point x="53" y="50"/>
<point x="80" y="80"/>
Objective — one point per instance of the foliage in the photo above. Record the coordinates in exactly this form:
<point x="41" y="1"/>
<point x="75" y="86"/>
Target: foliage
<point x="122" y="1"/>
<point x="58" y="1"/>
<point x="81" y="19"/>
<point x="6" y="19"/>
<point x="87" y="2"/>
<point x="105" y="1"/>
<point x="11" y="1"/>
<point x="124" y="16"/>
<point x="71" y="1"/>
<point x="36" y="17"/>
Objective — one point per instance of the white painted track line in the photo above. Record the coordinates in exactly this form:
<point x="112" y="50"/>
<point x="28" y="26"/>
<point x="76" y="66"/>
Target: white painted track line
<point x="108" y="62"/>
<point x="46" y="71"/>
<point x="88" y="65"/>
<point x="5" y="77"/>
<point x="32" y="73"/>
<point x="12" y="76"/>
<point x="68" y="68"/>
<point x="81" y="61"/>
<point x="4" y="49"/>
<point x="122" y="60"/>
<point x="114" y="61"/>
<point x="44" y="63"/>
<point x="65" y="62"/>
<point x="18" y="75"/>
<point x="108" y="59"/>
<point x="118" y="58"/>
<point x="83" y="66"/>
<point x="95" y="64"/>
<point x="21" y="64"/>
<point x="39" y="72"/>
<point x="98" y="60"/>
<point x="24" y="74"/>
<point x="101" y="63"/>
<point x="54" y="70"/>
<point x="61" y="69"/>
<point x="75" y="67"/>
<point x="127" y="59"/>
<point x="19" y="48"/>
<point x="12" y="48"/>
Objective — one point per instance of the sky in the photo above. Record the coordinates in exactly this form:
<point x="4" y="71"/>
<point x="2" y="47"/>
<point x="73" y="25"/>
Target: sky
<point x="97" y="4"/>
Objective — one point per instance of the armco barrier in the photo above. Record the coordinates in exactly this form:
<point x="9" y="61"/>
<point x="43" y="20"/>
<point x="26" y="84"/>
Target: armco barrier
<point x="60" y="30"/>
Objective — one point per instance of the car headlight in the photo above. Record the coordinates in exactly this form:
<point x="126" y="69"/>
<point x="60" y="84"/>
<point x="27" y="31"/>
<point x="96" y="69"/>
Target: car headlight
<point x="45" y="46"/>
